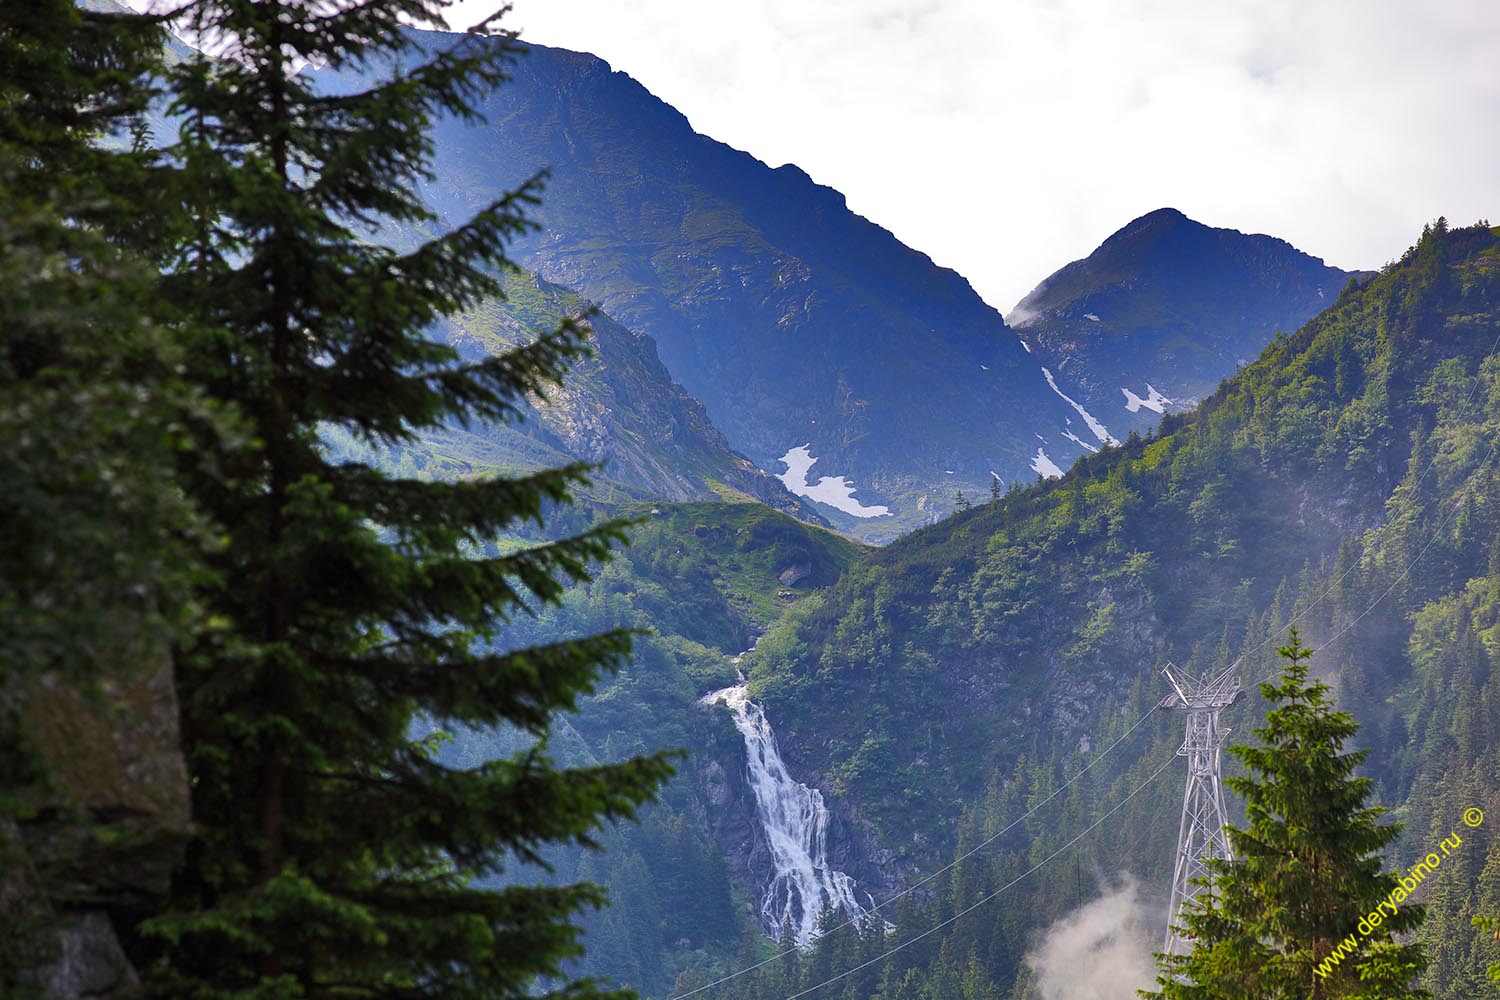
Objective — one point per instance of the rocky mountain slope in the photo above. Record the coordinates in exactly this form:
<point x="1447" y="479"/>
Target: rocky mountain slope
<point x="1165" y="309"/>
<point x="795" y="321"/>
<point x="619" y="408"/>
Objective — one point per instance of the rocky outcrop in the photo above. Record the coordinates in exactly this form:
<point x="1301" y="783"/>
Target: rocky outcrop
<point x="105" y="839"/>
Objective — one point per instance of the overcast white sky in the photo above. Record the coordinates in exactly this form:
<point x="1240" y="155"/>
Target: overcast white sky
<point x="1007" y="137"/>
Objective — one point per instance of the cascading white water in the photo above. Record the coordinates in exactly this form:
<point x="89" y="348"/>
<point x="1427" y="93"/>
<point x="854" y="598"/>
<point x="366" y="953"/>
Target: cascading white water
<point x="795" y="821"/>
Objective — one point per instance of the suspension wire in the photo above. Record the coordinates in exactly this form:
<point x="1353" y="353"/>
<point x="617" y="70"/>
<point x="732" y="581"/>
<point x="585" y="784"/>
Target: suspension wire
<point x="985" y="899"/>
<point x="950" y="865"/>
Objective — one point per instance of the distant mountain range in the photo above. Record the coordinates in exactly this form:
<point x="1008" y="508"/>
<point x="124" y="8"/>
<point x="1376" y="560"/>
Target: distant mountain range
<point x="1344" y="481"/>
<point x="876" y="384"/>
<point x="938" y="690"/>
<point x="795" y="321"/>
<point x="1165" y="309"/>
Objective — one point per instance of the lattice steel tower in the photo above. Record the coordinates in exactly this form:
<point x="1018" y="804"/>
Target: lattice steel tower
<point x="1201" y="835"/>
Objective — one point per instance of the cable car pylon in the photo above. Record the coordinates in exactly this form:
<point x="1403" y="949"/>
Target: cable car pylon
<point x="1201" y="835"/>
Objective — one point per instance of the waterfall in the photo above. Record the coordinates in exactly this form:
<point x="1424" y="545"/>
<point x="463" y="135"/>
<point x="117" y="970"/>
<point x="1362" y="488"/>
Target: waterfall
<point x="795" y="822"/>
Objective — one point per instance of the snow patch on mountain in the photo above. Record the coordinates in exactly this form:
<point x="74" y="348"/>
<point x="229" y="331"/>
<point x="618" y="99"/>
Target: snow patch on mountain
<point x="1100" y="431"/>
<point x="835" y="491"/>
<point x="1153" y="401"/>
<point x="1078" y="440"/>
<point x="1044" y="466"/>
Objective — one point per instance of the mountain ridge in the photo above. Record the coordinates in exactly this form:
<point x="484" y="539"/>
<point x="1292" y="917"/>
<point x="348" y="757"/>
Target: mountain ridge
<point x="1166" y="307"/>
<point x="793" y="320"/>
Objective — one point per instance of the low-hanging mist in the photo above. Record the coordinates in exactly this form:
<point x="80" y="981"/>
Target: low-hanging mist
<point x="1100" y="951"/>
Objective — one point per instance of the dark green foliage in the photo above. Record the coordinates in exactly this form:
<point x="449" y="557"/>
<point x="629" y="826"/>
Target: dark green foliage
<point x="97" y="546"/>
<point x="1307" y="869"/>
<point x="93" y="412"/>
<point x="71" y="78"/>
<point x="335" y="856"/>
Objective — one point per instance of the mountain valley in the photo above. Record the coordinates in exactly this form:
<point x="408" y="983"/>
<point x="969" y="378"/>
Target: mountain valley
<point x="939" y="685"/>
<point x="835" y="654"/>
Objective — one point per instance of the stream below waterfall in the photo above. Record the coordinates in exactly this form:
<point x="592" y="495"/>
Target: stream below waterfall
<point x="795" y="822"/>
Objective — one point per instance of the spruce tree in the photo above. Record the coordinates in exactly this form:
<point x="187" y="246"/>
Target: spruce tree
<point x="1306" y="869"/>
<point x="334" y="855"/>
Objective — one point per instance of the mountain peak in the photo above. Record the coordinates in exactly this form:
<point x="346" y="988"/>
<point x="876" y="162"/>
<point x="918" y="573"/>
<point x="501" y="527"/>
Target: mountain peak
<point x="1160" y="221"/>
<point x="1166" y="307"/>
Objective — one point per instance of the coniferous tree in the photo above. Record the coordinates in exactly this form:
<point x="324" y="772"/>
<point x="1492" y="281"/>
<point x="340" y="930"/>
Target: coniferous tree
<point x="334" y="854"/>
<point x="1306" y="871"/>
<point x="97" y="546"/>
<point x="93" y="546"/>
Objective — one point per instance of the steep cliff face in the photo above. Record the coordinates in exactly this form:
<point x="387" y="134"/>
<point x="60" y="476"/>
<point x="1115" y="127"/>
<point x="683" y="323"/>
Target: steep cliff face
<point x="101" y="843"/>
<point x="849" y="844"/>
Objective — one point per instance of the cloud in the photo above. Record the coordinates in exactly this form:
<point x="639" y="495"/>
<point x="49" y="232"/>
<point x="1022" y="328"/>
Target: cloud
<point x="1098" y="952"/>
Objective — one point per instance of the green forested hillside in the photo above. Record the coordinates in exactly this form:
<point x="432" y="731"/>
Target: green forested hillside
<point x="1345" y="481"/>
<point x="977" y="700"/>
